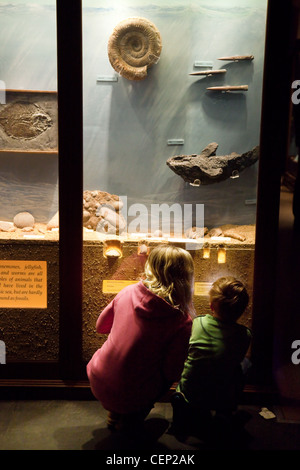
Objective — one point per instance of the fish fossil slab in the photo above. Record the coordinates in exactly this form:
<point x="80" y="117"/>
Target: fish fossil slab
<point x="22" y="120"/>
<point x="207" y="168"/>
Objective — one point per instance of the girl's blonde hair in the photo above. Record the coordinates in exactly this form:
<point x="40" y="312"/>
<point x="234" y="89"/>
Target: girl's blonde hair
<point x="169" y="273"/>
<point x="229" y="298"/>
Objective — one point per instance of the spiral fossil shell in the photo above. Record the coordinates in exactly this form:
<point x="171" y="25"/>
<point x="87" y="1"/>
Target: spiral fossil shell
<point x="134" y="45"/>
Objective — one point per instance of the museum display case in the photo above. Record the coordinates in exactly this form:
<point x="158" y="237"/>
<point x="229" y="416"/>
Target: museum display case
<point x="171" y="96"/>
<point x="29" y="263"/>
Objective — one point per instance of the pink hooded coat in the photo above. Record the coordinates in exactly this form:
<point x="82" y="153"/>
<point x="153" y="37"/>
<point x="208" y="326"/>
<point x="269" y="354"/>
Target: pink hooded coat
<point x="144" y="352"/>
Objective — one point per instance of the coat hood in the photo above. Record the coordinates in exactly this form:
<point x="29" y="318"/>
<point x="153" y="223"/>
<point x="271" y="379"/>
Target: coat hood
<point x="148" y="304"/>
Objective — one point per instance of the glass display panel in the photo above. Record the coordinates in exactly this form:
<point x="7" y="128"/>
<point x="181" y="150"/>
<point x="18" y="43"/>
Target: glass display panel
<point x="172" y="104"/>
<point x="29" y="284"/>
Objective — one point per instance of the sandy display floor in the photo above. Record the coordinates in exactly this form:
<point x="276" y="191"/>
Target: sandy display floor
<point x="245" y="235"/>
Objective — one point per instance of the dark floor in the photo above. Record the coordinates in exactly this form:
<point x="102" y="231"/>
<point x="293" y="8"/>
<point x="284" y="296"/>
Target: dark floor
<point x="287" y="301"/>
<point x="81" y="424"/>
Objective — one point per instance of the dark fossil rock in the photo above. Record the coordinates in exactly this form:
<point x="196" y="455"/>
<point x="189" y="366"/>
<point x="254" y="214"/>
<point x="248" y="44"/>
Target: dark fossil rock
<point x="207" y="168"/>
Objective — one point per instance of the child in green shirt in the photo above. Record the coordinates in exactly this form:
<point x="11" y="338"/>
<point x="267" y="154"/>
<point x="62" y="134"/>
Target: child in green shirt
<point x="212" y="377"/>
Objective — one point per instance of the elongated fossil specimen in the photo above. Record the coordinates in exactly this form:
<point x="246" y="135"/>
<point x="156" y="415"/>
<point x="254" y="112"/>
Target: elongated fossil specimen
<point x="237" y="57"/>
<point x="134" y="45"/>
<point x="207" y="168"/>
<point x="228" y="88"/>
<point x="233" y="234"/>
<point x="209" y="72"/>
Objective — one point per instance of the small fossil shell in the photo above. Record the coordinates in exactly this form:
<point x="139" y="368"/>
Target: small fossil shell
<point x="134" y="45"/>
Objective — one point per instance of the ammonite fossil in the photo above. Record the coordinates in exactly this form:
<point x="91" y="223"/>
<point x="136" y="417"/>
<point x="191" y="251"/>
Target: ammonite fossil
<point x="135" y="45"/>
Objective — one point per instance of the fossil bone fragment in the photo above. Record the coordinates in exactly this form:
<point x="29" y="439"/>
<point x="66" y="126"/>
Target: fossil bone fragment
<point x="233" y="234"/>
<point x="209" y="72"/>
<point x="134" y="45"/>
<point x="110" y="221"/>
<point x="229" y="88"/>
<point x="196" y="232"/>
<point x="215" y="232"/>
<point x="209" y="168"/>
<point x="237" y="57"/>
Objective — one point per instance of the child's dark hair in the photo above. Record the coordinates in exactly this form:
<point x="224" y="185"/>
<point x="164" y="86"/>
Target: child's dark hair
<point x="229" y="298"/>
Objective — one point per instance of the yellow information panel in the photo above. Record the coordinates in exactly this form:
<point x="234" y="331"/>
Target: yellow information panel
<point x="202" y="288"/>
<point x="23" y="284"/>
<point x="114" y="286"/>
